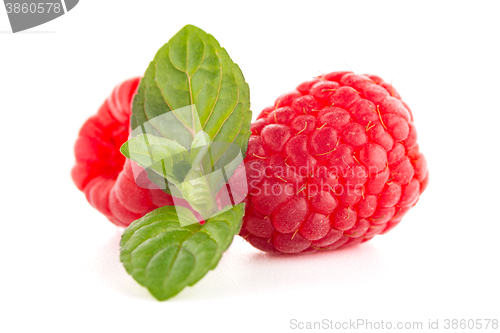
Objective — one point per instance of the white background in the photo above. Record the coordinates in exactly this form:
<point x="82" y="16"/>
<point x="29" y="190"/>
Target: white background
<point x="59" y="267"/>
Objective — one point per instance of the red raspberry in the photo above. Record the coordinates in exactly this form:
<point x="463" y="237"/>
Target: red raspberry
<point x="330" y="165"/>
<point x="102" y="172"/>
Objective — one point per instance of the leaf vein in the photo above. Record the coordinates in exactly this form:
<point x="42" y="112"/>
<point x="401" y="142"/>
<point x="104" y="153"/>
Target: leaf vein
<point x="239" y="131"/>
<point x="218" y="91"/>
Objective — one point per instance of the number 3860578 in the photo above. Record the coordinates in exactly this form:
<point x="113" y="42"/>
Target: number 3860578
<point x="33" y="8"/>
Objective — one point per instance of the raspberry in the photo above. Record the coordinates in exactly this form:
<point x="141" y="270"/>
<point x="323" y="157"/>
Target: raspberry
<point x="330" y="165"/>
<point x="101" y="171"/>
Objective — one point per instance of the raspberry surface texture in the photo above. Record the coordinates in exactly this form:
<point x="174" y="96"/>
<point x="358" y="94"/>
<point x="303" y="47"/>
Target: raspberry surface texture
<point x="102" y="172"/>
<point x="330" y="165"/>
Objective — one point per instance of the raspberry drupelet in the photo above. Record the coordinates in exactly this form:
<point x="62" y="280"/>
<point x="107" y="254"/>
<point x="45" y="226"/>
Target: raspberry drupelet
<point x="330" y="165"/>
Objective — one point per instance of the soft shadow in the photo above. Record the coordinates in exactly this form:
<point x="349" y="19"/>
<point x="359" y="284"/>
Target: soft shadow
<point x="108" y="269"/>
<point x="244" y="270"/>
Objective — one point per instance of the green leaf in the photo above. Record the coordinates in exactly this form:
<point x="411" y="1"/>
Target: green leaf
<point x="201" y="139"/>
<point x="148" y="150"/>
<point x="197" y="191"/>
<point x="199" y="148"/>
<point x="165" y="257"/>
<point x="193" y="69"/>
<point x="142" y="144"/>
<point x="180" y="170"/>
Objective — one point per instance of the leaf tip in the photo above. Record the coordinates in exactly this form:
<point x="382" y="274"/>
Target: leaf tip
<point x="191" y="28"/>
<point x="124" y="150"/>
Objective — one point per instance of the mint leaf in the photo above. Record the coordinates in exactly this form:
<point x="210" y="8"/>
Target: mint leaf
<point x="180" y="170"/>
<point x="154" y="152"/>
<point x="201" y="139"/>
<point x="154" y="147"/>
<point x="165" y="257"/>
<point x="199" y="148"/>
<point x="193" y="69"/>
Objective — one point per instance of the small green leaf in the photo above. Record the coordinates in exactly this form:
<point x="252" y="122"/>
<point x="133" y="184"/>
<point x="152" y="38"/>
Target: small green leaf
<point x="148" y="150"/>
<point x="199" y="148"/>
<point x="196" y="190"/>
<point x="180" y="170"/>
<point x="165" y="257"/>
<point x="142" y="143"/>
<point x="201" y="139"/>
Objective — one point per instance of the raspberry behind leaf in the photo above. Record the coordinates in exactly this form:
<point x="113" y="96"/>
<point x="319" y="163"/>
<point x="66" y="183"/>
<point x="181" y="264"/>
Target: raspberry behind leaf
<point x="102" y="172"/>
